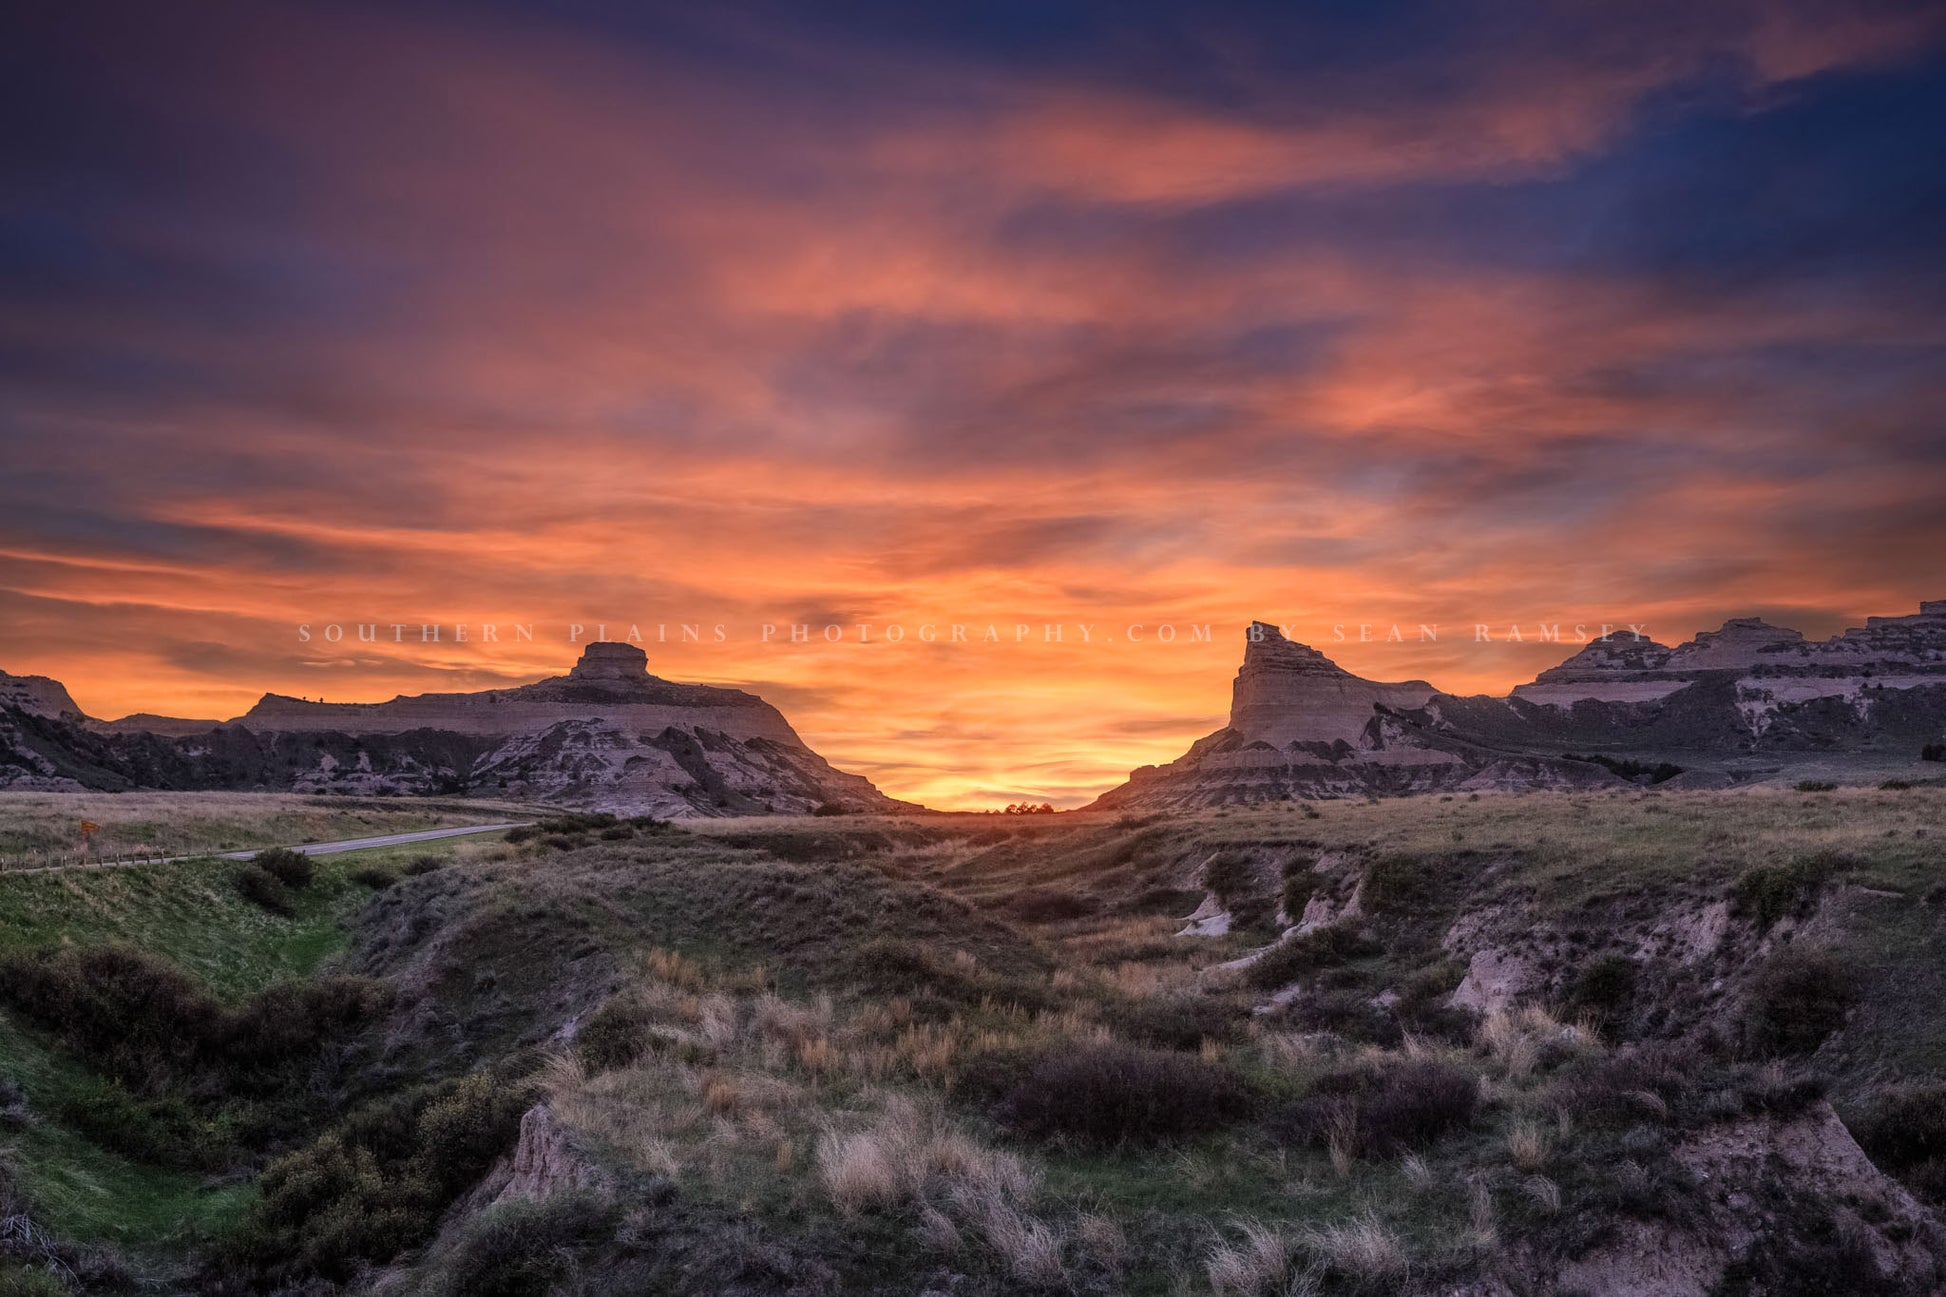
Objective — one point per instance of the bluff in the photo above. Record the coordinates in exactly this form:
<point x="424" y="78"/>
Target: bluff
<point x="1748" y="700"/>
<point x="608" y="736"/>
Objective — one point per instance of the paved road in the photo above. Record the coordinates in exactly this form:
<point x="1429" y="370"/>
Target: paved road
<point x="302" y="848"/>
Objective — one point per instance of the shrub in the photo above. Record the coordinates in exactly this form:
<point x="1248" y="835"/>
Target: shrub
<point x="1395" y="884"/>
<point x="375" y="878"/>
<point x="578" y="822"/>
<point x="1300" y="884"/>
<point x="1603" y="990"/>
<point x="132" y="1015"/>
<point x="522" y="1248"/>
<point x="163" y="1131"/>
<point x="144" y="1022"/>
<point x="1116" y="1094"/>
<point x="1768" y="893"/>
<point x="1388" y="1109"/>
<point x="1798" y="998"/>
<point x="1815" y="786"/>
<point x="613" y="1036"/>
<point x="894" y="966"/>
<point x="289" y="1022"/>
<point x="423" y="865"/>
<point x="830" y="808"/>
<point x="1326" y="947"/>
<point x="1895" y="786"/>
<point x="291" y="868"/>
<point x="1933" y="752"/>
<point x="1177" y="1021"/>
<point x="260" y="887"/>
<point x="1230" y="878"/>
<point x="521" y="833"/>
<point x="620" y="833"/>
<point x="1634" y="1083"/>
<point x="1050" y="905"/>
<point x="378" y="1182"/>
<point x="1904" y="1131"/>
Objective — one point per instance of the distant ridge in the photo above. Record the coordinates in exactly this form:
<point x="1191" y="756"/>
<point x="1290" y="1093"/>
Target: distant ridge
<point x="1745" y="701"/>
<point x="608" y="736"/>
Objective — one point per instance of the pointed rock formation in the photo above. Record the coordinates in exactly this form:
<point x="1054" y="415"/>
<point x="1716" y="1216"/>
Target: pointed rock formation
<point x="1746" y="700"/>
<point x="1287" y="693"/>
<point x="1301" y="726"/>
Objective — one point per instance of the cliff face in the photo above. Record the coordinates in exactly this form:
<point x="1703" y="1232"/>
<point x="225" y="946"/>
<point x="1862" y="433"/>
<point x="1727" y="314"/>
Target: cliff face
<point x="1718" y="706"/>
<point x="606" y="736"/>
<point x="611" y="681"/>
<point x="36" y="696"/>
<point x="1289" y="693"/>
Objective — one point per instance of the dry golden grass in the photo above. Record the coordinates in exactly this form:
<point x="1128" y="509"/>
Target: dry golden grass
<point x="1258" y="1261"/>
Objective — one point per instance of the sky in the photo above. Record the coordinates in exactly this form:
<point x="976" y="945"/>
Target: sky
<point x="999" y="315"/>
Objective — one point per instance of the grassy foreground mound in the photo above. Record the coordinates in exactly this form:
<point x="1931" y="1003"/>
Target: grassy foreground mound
<point x="1649" y="1041"/>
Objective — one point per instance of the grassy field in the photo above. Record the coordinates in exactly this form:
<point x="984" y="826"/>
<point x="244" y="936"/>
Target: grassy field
<point x="191" y="913"/>
<point x="38" y="829"/>
<point x="973" y="1052"/>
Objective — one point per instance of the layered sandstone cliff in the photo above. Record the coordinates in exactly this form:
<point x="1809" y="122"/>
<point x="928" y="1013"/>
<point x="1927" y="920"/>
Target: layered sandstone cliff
<point x="606" y="736"/>
<point x="1746" y="700"/>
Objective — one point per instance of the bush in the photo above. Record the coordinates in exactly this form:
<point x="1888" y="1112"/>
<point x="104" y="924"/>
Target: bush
<point x="375" y="878"/>
<point x="425" y="864"/>
<point x="1815" y="786"/>
<point x="1300" y="884"/>
<point x="260" y="887"/>
<point x="1933" y="752"/>
<point x="1326" y="947"/>
<point x="1603" y="990"/>
<point x="1385" y="1110"/>
<point x="1177" y="1021"/>
<point x="520" y="833"/>
<point x="1895" y="786"/>
<point x="1395" y="884"/>
<point x="830" y="808"/>
<point x="578" y="822"/>
<point x="523" y="1248"/>
<point x="892" y="966"/>
<point x="163" y="1131"/>
<point x="289" y="1022"/>
<point x="136" y="1017"/>
<point x="1122" y="1094"/>
<point x="1050" y="905"/>
<point x="378" y="1182"/>
<point x="1635" y="1082"/>
<point x="1904" y="1131"/>
<point x="613" y="1036"/>
<point x="1799" y="997"/>
<point x="144" y="1022"/>
<point x="291" y="868"/>
<point x="1768" y="893"/>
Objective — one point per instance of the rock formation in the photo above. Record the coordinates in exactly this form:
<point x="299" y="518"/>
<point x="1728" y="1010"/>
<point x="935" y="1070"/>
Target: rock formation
<point x="606" y="736"/>
<point x="1746" y="700"/>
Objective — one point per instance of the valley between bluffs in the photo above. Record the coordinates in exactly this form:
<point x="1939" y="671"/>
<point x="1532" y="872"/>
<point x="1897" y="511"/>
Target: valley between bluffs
<point x="1613" y="1042"/>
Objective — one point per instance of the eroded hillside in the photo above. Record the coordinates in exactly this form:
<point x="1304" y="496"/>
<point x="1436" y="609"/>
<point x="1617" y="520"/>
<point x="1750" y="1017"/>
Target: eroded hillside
<point x="1616" y="1042"/>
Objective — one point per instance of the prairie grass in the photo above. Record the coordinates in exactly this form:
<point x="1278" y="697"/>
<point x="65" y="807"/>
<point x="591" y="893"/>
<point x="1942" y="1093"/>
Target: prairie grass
<point x="38" y="829"/>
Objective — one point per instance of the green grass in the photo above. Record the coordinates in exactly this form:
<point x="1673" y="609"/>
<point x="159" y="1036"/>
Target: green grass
<point x="189" y="913"/>
<point x="89" y="1195"/>
<point x="44" y="828"/>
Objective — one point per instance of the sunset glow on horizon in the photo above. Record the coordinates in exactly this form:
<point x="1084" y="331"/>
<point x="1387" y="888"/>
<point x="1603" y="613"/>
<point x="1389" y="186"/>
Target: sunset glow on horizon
<point x="1012" y="316"/>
